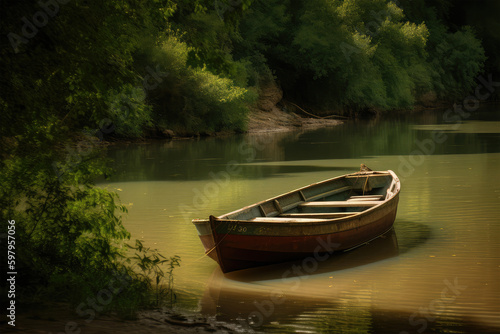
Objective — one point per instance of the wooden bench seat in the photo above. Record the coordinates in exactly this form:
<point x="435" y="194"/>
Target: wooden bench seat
<point x="286" y="220"/>
<point x="324" y="215"/>
<point x="366" y="198"/>
<point x="328" y="193"/>
<point x="340" y="204"/>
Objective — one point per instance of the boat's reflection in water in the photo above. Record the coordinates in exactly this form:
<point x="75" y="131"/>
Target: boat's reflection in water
<point x="383" y="247"/>
<point x="283" y="295"/>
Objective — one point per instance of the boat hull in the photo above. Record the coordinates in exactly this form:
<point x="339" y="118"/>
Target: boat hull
<point x="237" y="251"/>
<point x="240" y="244"/>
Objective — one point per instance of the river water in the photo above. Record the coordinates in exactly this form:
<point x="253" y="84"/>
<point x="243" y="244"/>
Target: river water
<point x="438" y="271"/>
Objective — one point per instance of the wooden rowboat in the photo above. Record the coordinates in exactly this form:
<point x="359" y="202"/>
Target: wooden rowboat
<point x="333" y="215"/>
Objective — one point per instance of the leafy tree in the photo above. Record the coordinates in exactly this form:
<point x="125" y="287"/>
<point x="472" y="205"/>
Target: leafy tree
<point x="64" y="84"/>
<point x="456" y="55"/>
<point x="458" y="59"/>
<point x="356" y="54"/>
<point x="190" y="99"/>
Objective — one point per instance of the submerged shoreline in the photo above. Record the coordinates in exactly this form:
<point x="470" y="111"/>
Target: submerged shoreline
<point x="61" y="318"/>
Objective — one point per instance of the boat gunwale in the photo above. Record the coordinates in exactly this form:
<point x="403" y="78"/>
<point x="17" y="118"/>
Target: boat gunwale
<point x="357" y="215"/>
<point x="301" y="224"/>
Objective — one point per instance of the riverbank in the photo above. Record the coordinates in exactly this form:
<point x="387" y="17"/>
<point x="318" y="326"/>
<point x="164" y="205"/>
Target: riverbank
<point x="61" y="318"/>
<point x="276" y="120"/>
<point x="270" y="113"/>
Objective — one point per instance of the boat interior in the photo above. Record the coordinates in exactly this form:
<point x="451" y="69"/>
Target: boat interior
<point x="336" y="198"/>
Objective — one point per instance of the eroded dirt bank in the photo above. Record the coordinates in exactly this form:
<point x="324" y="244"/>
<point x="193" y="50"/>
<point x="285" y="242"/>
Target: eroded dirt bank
<point x="268" y="116"/>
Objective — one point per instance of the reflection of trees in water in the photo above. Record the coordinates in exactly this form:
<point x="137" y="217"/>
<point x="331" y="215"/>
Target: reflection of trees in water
<point x="391" y="136"/>
<point x="195" y="159"/>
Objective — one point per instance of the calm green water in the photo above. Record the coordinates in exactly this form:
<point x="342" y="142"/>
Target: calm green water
<point x="438" y="272"/>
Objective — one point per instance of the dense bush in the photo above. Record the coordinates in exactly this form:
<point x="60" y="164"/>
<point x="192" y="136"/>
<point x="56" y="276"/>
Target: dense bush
<point x="455" y="54"/>
<point x="455" y="63"/>
<point x="191" y="100"/>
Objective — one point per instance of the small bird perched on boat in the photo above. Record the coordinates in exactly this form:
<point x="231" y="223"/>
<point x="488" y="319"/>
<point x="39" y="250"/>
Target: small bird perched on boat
<point x="364" y="168"/>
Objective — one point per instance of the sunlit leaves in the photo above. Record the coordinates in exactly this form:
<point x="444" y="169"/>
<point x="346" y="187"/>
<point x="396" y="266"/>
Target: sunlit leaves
<point x="194" y="98"/>
<point x="363" y="48"/>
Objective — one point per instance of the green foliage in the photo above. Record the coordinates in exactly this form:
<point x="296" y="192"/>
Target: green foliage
<point x="150" y="264"/>
<point x="262" y="26"/>
<point x="190" y="99"/>
<point x="68" y="77"/>
<point x="69" y="68"/>
<point x="352" y="54"/>
<point x="362" y="54"/>
<point x="456" y="55"/>
<point x="70" y="240"/>
<point x="64" y="223"/>
<point x="362" y="51"/>
<point x="129" y="112"/>
<point x="457" y="60"/>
